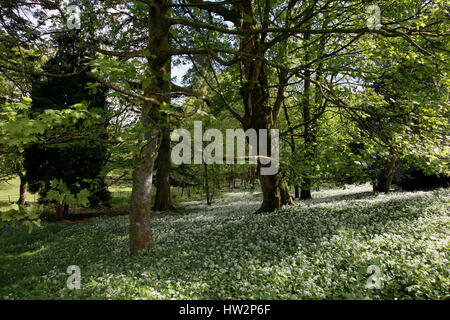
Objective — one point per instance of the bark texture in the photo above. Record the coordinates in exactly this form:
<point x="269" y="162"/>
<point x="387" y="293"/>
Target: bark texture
<point x="158" y="45"/>
<point x="259" y="114"/>
<point x="162" y="197"/>
<point x="140" y="230"/>
<point x="275" y="193"/>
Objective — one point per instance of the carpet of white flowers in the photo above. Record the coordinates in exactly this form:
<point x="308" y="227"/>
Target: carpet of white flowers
<point x="319" y="249"/>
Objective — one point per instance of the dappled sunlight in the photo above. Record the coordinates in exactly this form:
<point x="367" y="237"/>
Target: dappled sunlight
<point x="314" y="249"/>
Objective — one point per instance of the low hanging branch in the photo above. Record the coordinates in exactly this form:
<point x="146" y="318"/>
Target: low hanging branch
<point x="121" y="90"/>
<point x="186" y="91"/>
<point x="43" y="73"/>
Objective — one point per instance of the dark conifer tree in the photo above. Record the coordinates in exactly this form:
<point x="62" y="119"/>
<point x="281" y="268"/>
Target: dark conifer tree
<point x="74" y="161"/>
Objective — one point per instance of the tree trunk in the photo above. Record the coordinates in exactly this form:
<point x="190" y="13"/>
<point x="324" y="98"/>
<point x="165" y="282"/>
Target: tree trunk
<point x="275" y="193"/>
<point x="274" y="187"/>
<point x="297" y="192"/>
<point x="213" y="184"/>
<point x="230" y="178"/>
<point x="158" y="44"/>
<point x="390" y="176"/>
<point x="22" y="190"/>
<point x="308" y="135"/>
<point x="305" y="193"/>
<point x="258" y="113"/>
<point x="291" y="144"/>
<point x="60" y="212"/>
<point x="140" y="231"/>
<point x="208" y="195"/>
<point x="162" y="197"/>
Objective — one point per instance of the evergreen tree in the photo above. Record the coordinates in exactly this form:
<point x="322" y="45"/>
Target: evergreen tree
<point x="78" y="163"/>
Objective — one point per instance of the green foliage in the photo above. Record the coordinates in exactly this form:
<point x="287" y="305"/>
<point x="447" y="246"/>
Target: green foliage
<point x="18" y="129"/>
<point x="27" y="216"/>
<point x="71" y="147"/>
<point x="60" y="193"/>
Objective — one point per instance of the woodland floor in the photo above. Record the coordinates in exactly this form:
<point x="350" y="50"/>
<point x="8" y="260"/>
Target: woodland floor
<point x="321" y="248"/>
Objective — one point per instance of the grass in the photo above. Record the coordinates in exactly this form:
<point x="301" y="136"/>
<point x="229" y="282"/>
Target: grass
<point x="9" y="191"/>
<point x="321" y="248"/>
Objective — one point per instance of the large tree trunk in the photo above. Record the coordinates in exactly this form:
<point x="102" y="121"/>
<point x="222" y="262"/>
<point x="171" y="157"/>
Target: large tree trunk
<point x="22" y="190"/>
<point x="275" y="193"/>
<point x="159" y="24"/>
<point x="274" y="187"/>
<point x="259" y="114"/>
<point x="140" y="230"/>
